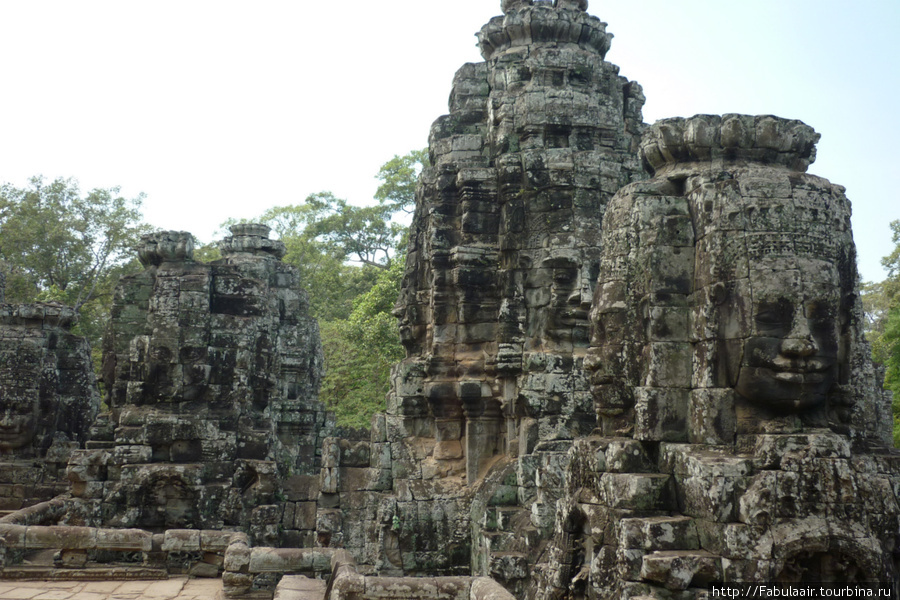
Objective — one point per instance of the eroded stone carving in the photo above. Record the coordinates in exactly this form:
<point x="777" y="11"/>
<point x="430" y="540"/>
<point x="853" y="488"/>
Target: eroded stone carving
<point x="731" y="270"/>
<point x="737" y="403"/>
<point x="48" y="399"/>
<point x="213" y="373"/>
<point x="507" y="230"/>
<point x="502" y="260"/>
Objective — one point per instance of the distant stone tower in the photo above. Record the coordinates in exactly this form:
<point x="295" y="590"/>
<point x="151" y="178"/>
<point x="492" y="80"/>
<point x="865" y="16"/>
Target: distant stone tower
<point x="212" y="372"/>
<point x="506" y="237"/>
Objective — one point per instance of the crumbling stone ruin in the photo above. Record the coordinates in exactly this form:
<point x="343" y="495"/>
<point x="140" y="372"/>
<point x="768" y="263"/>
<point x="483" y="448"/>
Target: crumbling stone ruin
<point x="48" y="399"/>
<point x="635" y="367"/>
<point x="212" y="372"/>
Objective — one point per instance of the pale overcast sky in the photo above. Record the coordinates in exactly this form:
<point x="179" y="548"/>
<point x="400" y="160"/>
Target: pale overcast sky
<point x="218" y="108"/>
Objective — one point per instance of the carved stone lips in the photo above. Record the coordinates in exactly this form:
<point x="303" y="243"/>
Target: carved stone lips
<point x="802" y="367"/>
<point x="811" y="371"/>
<point x="799" y="377"/>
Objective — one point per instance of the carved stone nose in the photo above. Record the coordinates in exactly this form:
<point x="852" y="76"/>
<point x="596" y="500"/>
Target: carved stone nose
<point x="800" y="347"/>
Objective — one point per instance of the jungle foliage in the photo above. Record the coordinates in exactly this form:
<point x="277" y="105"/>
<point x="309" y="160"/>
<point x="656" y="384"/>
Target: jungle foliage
<point x="881" y="302"/>
<point x="59" y="244"/>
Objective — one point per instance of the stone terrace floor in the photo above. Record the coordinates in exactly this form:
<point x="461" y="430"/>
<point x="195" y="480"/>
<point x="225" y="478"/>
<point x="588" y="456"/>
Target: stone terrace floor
<point x="176" y="588"/>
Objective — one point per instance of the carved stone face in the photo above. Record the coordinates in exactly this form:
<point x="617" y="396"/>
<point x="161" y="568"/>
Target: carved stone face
<point x="567" y="312"/>
<point x="18" y="424"/>
<point x="789" y="362"/>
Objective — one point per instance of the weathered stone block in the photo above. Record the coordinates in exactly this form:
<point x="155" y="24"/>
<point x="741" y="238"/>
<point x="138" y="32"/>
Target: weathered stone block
<point x="181" y="540"/>
<point x="305" y="515"/>
<point x="661" y="414"/>
<point x="237" y="558"/>
<point x="677" y="570"/>
<point x="712" y="416"/>
<point x="645" y="491"/>
<point x="60" y="537"/>
<point x="214" y="541"/>
<point x="124" y="539"/>
<point x="659" y="534"/>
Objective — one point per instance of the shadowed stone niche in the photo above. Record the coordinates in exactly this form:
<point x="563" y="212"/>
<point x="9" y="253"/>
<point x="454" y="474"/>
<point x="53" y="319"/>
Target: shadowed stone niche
<point x="212" y="372"/>
<point x="744" y="436"/>
<point x="48" y="399"/>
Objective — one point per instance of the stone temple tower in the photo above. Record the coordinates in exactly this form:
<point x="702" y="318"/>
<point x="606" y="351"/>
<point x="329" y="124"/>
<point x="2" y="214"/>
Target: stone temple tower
<point x="212" y="372"/>
<point x="506" y="238"/>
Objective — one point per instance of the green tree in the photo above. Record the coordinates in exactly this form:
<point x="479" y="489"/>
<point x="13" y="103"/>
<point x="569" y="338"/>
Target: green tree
<point x="876" y="302"/>
<point x="362" y="234"/>
<point x="55" y="240"/>
<point x="206" y="253"/>
<point x="360" y="350"/>
<point x="59" y="244"/>
<point x="891" y="341"/>
<point x="398" y="180"/>
<point x="881" y="303"/>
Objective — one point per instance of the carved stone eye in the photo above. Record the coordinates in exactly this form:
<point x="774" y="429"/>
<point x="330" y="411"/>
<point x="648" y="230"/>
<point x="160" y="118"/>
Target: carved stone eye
<point x="775" y="317"/>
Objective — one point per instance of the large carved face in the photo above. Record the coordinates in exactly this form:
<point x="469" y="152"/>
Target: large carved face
<point x="789" y="362"/>
<point x="18" y="423"/>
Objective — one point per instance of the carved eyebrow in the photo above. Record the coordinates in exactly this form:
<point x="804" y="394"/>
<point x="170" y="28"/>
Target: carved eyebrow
<point x="781" y="307"/>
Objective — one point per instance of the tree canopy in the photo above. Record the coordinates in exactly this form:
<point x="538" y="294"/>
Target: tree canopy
<point x="57" y="243"/>
<point x="881" y="302"/>
<point x="398" y="180"/>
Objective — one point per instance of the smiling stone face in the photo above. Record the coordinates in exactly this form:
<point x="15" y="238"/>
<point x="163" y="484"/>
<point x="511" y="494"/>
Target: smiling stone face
<point x="21" y="379"/>
<point x="789" y="361"/>
<point x="18" y="422"/>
